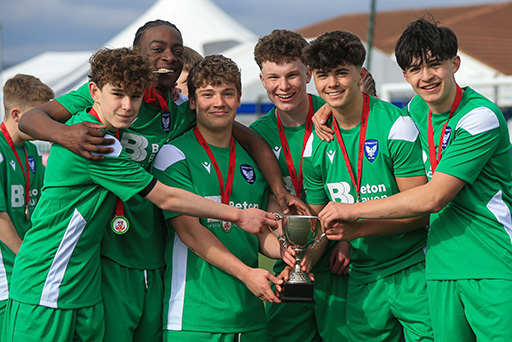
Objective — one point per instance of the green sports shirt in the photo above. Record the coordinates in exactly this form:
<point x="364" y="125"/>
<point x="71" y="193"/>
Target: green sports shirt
<point x="391" y="150"/>
<point x="266" y="126"/>
<point x="58" y="265"/>
<point x="470" y="238"/>
<point x="13" y="198"/>
<point x="142" y="246"/>
<point x="199" y="296"/>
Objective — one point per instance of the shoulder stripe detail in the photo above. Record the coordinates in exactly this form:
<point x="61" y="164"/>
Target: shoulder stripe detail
<point x="179" y="279"/>
<point x="479" y="120"/>
<point x="168" y="155"/>
<point x="502" y="212"/>
<point x="1" y="157"/>
<point x="403" y="129"/>
<point x="50" y="293"/>
<point x="308" y="150"/>
<point x="116" y="146"/>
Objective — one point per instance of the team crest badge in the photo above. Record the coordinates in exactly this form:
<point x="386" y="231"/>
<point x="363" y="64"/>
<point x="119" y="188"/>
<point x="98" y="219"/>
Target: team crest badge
<point x="226" y="226"/>
<point x="166" y="121"/>
<point x="120" y="225"/>
<point x="248" y="173"/>
<point x="371" y="149"/>
<point x="446" y="137"/>
<point x="32" y="164"/>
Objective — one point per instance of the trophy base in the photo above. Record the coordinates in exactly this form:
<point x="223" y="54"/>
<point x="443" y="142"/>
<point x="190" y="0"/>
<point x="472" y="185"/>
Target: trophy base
<point x="297" y="293"/>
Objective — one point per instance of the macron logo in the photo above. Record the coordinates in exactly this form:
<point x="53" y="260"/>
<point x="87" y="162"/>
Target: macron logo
<point x="207" y="166"/>
<point x="277" y="151"/>
<point x="13" y="164"/>
<point x="331" y="154"/>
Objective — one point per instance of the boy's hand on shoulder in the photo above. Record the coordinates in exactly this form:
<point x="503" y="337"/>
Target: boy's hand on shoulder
<point x="85" y="138"/>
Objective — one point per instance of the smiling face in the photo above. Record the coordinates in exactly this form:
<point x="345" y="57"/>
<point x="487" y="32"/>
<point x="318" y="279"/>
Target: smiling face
<point x="116" y="109"/>
<point x="215" y="106"/>
<point x="163" y="47"/>
<point x="434" y="81"/>
<point x="285" y="84"/>
<point x="339" y="87"/>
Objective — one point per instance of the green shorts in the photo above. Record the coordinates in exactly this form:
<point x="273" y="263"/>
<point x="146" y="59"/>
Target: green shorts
<point x="323" y="320"/>
<point x="133" y="304"/>
<point x="390" y="309"/>
<point x="471" y="310"/>
<point x="196" y="336"/>
<point x="35" y="323"/>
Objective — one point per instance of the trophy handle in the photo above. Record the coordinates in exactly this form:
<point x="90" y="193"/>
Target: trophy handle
<point x="280" y="238"/>
<point x="313" y="245"/>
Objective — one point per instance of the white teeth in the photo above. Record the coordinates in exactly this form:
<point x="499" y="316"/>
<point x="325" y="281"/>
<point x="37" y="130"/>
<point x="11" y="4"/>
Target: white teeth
<point x="284" y="97"/>
<point x="334" y="94"/>
<point x="430" y="86"/>
<point x="163" y="71"/>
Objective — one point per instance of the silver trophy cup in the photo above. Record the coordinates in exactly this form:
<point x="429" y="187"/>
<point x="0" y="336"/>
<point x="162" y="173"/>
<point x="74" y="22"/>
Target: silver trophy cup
<point x="299" y="232"/>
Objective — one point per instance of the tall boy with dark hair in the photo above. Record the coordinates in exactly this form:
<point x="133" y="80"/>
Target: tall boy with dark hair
<point x="287" y="128"/>
<point x="375" y="154"/>
<point x="466" y="151"/>
<point x="213" y="288"/>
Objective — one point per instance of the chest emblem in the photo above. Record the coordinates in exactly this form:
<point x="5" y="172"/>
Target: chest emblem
<point x="207" y="166"/>
<point x="277" y="151"/>
<point x="331" y="154"/>
<point x="13" y="164"/>
<point x="166" y="121"/>
<point x="32" y="164"/>
<point x="371" y="149"/>
<point x="248" y="173"/>
<point x="446" y="137"/>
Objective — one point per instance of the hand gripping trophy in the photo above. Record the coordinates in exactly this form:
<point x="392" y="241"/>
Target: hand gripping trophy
<point x="299" y="232"/>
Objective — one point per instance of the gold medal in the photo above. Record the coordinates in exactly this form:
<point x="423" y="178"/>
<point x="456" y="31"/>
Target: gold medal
<point x="226" y="226"/>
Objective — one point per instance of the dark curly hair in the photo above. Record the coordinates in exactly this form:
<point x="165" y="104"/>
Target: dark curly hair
<point x="424" y="39"/>
<point x="333" y="49"/>
<point x="213" y="70"/>
<point x="124" y="68"/>
<point x="150" y="24"/>
<point x="280" y="46"/>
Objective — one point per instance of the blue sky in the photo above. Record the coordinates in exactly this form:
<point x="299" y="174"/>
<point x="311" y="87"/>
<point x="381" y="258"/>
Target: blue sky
<point x="30" y="27"/>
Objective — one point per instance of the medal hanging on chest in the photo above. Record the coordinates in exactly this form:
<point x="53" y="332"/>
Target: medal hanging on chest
<point x="225" y="192"/>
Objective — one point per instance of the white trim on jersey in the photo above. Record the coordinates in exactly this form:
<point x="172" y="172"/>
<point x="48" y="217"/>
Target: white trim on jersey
<point x="1" y="157"/>
<point x="50" y="293"/>
<point x="168" y="155"/>
<point x="4" y="286"/>
<point x="179" y="279"/>
<point x="308" y="150"/>
<point x="502" y="212"/>
<point x="479" y="120"/>
<point x="116" y="146"/>
<point x="404" y="128"/>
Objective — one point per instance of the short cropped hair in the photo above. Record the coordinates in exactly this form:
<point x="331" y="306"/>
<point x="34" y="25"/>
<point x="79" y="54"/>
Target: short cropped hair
<point x="124" y="68"/>
<point x="190" y="57"/>
<point x="424" y="40"/>
<point x="333" y="49"/>
<point x="140" y="32"/>
<point x="23" y="91"/>
<point x="280" y="46"/>
<point x="213" y="70"/>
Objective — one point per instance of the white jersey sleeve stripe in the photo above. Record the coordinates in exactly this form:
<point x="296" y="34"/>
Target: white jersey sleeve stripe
<point x="179" y="279"/>
<point x="168" y="155"/>
<point x="502" y="212"/>
<point x="116" y="146"/>
<point x="1" y="157"/>
<point x="479" y="120"/>
<point x="50" y="294"/>
<point x="308" y="150"/>
<point x="403" y="129"/>
<point x="4" y="286"/>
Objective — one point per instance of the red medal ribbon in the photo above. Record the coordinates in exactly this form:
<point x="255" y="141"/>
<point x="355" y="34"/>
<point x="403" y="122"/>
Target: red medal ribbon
<point x="296" y="179"/>
<point x="26" y="175"/>
<point x="431" y="145"/>
<point x="224" y="192"/>
<point x="119" y="202"/>
<point x="151" y="96"/>
<point x="362" y="137"/>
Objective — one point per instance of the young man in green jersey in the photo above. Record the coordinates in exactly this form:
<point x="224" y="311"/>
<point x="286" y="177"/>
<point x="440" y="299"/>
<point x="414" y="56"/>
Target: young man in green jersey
<point x="375" y="154"/>
<point x="213" y="288"/>
<point x="21" y="170"/>
<point x="287" y="128"/>
<point x="56" y="293"/>
<point x="136" y="257"/>
<point x="466" y="151"/>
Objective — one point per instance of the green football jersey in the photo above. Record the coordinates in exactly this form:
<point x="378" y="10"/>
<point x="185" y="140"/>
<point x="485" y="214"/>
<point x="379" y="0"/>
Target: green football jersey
<point x="142" y="246"/>
<point x="13" y="198"/>
<point x="266" y="126"/>
<point x="198" y="296"/>
<point x="470" y="238"/>
<point x="58" y="265"/>
<point x="391" y="150"/>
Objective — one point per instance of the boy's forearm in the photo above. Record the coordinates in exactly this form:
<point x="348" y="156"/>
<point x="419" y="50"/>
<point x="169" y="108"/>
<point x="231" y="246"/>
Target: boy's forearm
<point x="45" y="122"/>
